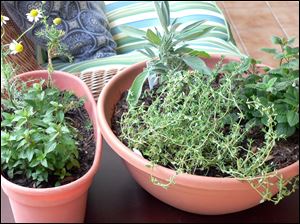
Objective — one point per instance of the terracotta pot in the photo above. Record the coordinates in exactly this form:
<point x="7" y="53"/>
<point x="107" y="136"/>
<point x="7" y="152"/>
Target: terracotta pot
<point x="191" y="193"/>
<point x="66" y="203"/>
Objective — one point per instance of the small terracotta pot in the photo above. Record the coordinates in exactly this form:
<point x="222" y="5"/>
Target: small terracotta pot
<point x="66" y="203"/>
<point x="191" y="193"/>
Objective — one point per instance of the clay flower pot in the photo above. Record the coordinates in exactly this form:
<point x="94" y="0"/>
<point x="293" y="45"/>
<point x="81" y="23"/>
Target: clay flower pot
<point x="191" y="193"/>
<point x="66" y="203"/>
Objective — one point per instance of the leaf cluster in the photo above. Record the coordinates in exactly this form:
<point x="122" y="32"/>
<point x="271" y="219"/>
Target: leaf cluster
<point x="167" y="50"/>
<point x="278" y="87"/>
<point x="37" y="140"/>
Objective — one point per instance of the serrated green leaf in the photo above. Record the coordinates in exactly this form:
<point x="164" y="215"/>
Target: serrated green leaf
<point x="282" y="85"/>
<point x="292" y="118"/>
<point x="270" y="50"/>
<point x="10" y="173"/>
<point x="22" y="143"/>
<point x="53" y="137"/>
<point x="291" y="40"/>
<point x="60" y="116"/>
<point x="276" y="40"/>
<point x="270" y="84"/>
<point x="293" y="64"/>
<point x="51" y="130"/>
<point x="281" y="118"/>
<point x="50" y="146"/>
<point x="29" y="154"/>
<point x="285" y="130"/>
<point x="44" y="163"/>
<point x="197" y="64"/>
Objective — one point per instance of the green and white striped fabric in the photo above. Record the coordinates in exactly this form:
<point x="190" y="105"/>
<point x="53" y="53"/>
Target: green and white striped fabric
<point x="142" y="15"/>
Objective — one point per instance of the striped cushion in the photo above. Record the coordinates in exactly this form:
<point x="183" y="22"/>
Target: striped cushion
<point x="211" y="45"/>
<point x="142" y="15"/>
<point x="118" y="13"/>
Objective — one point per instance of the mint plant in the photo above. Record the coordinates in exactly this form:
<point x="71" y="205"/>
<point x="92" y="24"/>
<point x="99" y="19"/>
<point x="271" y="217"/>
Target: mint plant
<point x="173" y="53"/>
<point x="36" y="139"/>
<point x="277" y="87"/>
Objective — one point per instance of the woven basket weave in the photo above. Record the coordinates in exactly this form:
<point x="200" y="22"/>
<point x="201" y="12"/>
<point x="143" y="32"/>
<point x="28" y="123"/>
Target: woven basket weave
<point x="26" y="61"/>
<point x="96" y="80"/>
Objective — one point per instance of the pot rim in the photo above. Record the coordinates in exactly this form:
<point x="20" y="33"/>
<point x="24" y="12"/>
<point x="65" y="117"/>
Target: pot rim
<point x="93" y="169"/>
<point x="159" y="171"/>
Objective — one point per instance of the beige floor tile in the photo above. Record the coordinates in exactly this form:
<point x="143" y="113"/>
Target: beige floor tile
<point x="287" y="16"/>
<point x="244" y="4"/>
<point x="251" y="18"/>
<point x="220" y="4"/>
<point x="262" y="39"/>
<point x="283" y="3"/>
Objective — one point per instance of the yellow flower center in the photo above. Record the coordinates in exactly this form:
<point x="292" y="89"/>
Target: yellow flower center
<point x="57" y="21"/>
<point x="2" y="18"/>
<point x="34" y="13"/>
<point x="19" y="48"/>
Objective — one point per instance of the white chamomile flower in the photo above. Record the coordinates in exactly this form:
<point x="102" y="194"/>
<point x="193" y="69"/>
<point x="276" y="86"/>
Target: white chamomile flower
<point x="34" y="15"/>
<point x="15" y="47"/>
<point x="3" y="20"/>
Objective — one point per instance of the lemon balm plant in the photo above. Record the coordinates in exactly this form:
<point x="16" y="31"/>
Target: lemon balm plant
<point x="48" y="133"/>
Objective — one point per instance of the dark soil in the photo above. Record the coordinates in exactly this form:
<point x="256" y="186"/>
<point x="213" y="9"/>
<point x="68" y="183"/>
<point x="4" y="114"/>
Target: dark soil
<point x="283" y="154"/>
<point x="86" y="148"/>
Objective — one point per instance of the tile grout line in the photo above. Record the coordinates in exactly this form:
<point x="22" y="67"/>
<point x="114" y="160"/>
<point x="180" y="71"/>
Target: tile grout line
<point x="235" y="29"/>
<point x="277" y="20"/>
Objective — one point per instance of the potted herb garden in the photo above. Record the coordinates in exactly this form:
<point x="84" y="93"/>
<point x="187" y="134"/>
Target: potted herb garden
<point x="211" y="136"/>
<point x="50" y="141"/>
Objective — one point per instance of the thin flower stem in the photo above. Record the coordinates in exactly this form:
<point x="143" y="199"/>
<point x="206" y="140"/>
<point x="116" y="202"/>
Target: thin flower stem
<point x="26" y="31"/>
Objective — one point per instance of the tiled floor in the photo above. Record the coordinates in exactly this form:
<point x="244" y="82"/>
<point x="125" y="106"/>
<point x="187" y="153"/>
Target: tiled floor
<point x="254" y="23"/>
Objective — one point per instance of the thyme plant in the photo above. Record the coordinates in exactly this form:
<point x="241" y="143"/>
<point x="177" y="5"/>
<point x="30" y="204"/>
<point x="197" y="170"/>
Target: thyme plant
<point x="196" y="126"/>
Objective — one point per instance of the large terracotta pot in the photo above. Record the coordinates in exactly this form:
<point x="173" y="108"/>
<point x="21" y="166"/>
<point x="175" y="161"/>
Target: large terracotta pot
<point x="191" y="193"/>
<point x="66" y="203"/>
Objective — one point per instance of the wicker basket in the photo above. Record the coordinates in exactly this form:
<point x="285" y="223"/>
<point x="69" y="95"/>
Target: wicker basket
<point x="95" y="80"/>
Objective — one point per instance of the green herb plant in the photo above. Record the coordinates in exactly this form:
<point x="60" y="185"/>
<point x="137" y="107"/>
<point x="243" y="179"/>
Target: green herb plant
<point x="277" y="87"/>
<point x="203" y="124"/>
<point x="173" y="53"/>
<point x="38" y="140"/>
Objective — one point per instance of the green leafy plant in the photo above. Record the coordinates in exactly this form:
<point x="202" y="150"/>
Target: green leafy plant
<point x="52" y="35"/>
<point x="173" y="53"/>
<point x="38" y="139"/>
<point x="196" y="125"/>
<point x="277" y="86"/>
<point x="206" y="122"/>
